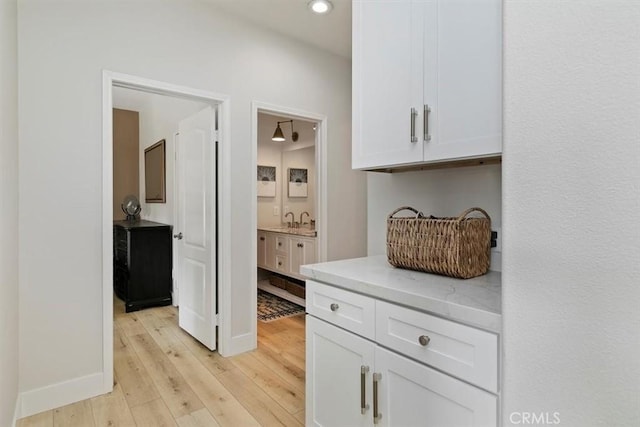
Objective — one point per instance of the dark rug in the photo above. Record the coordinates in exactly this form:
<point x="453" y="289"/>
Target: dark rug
<point x="272" y="307"/>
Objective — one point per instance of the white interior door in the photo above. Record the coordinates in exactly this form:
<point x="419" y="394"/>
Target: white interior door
<point x="195" y="230"/>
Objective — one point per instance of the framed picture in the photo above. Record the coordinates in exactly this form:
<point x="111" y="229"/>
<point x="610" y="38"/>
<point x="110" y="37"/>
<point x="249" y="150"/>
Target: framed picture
<point x="297" y="182"/>
<point x="154" y="173"/>
<point x="266" y="181"/>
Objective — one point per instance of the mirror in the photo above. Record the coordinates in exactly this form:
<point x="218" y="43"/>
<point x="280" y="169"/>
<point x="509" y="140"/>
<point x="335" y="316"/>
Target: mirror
<point x="154" y="173"/>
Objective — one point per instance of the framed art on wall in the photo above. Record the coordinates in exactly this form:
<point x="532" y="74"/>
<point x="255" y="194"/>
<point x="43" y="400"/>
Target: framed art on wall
<point x="297" y="182"/>
<point x="266" y="181"/>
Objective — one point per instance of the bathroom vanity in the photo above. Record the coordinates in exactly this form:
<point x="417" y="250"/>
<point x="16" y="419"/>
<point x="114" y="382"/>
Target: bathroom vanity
<point x="283" y="251"/>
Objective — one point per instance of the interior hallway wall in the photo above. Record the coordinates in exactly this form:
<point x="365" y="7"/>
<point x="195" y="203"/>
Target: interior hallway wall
<point x="571" y="200"/>
<point x="64" y="47"/>
<point x="8" y="212"/>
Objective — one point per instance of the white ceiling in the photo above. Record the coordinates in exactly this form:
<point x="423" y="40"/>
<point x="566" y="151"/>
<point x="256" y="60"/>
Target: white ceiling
<point x="292" y="18"/>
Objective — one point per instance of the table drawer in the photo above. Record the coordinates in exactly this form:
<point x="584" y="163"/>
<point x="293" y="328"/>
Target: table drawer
<point x="348" y="310"/>
<point x="465" y="352"/>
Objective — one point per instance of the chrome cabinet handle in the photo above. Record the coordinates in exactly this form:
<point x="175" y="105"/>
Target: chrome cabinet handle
<point x="425" y="119"/>
<point x="424" y="340"/>
<point x="376" y="414"/>
<point x="363" y="400"/>
<point x="334" y="307"/>
<point x="414" y="114"/>
<point x="178" y="236"/>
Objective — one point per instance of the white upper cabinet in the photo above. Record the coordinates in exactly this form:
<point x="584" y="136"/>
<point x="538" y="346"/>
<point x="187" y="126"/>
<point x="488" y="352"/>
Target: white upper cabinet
<point x="427" y="81"/>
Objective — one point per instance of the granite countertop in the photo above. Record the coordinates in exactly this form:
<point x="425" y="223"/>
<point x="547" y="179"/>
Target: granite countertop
<point x="475" y="302"/>
<point x="290" y="230"/>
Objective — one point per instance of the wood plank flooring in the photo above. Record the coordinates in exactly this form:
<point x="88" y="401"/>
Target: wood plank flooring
<point x="164" y="377"/>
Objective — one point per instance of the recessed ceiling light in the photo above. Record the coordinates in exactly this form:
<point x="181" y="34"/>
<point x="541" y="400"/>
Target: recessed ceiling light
<point x="320" y="6"/>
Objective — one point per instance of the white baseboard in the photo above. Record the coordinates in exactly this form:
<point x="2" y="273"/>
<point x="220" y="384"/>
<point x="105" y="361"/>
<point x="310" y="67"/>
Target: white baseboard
<point x="60" y="394"/>
<point x="241" y="344"/>
<point x="16" y="412"/>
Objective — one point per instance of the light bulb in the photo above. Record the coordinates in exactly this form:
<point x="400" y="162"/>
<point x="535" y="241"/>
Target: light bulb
<point x="320" y="6"/>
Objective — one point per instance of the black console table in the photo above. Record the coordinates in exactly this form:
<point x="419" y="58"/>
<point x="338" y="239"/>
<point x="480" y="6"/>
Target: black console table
<point x="142" y="262"/>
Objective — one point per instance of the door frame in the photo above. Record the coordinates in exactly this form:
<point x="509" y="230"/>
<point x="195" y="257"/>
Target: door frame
<point x="321" y="185"/>
<point x="110" y="80"/>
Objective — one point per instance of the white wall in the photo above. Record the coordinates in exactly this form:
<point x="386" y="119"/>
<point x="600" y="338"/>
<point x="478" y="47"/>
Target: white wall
<point x="159" y="117"/>
<point x="571" y="203"/>
<point x="8" y="212"/>
<point x="439" y="192"/>
<point x="64" y="46"/>
<point x="282" y="155"/>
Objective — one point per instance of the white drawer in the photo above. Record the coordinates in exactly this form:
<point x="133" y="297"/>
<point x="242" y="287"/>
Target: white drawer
<point x="348" y="310"/>
<point x="462" y="351"/>
<point x="282" y="244"/>
<point x="282" y="263"/>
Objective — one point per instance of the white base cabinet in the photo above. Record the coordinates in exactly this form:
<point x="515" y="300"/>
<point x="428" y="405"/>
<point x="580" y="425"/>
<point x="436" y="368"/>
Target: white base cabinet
<point x="412" y="394"/>
<point x="336" y="360"/>
<point x="355" y="381"/>
<point x="285" y="253"/>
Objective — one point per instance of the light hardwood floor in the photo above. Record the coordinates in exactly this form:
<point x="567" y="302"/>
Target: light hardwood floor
<point x="163" y="377"/>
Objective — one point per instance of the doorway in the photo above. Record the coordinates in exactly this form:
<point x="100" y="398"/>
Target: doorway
<point x="290" y="203"/>
<point x="116" y="80"/>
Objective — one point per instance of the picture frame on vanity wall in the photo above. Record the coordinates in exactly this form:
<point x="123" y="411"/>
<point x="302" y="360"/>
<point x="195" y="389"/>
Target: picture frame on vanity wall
<point x="297" y="182"/>
<point x="154" y="173"/>
<point x="266" y="181"/>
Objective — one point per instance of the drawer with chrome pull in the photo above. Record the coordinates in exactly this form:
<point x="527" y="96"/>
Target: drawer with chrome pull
<point x="465" y="352"/>
<point x="346" y="309"/>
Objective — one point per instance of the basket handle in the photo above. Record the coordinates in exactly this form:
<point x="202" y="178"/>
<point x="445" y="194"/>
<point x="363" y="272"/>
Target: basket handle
<point x="468" y="211"/>
<point x="418" y="214"/>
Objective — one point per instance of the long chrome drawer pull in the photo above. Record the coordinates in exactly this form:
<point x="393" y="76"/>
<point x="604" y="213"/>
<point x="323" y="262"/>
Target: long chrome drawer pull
<point x="363" y="400"/>
<point x="425" y="119"/>
<point x="414" y="114"/>
<point x="376" y="415"/>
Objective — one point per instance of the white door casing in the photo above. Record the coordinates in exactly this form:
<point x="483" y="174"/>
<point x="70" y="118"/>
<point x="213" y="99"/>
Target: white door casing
<point x="195" y="228"/>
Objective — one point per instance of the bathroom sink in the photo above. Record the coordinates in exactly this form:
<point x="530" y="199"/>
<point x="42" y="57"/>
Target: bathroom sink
<point x="290" y="230"/>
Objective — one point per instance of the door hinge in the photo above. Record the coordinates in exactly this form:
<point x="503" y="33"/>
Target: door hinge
<point x="217" y="319"/>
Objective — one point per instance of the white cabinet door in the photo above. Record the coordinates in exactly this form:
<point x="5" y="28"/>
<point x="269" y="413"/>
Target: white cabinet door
<point x="334" y="362"/>
<point x="387" y="81"/>
<point x="262" y="249"/>
<point x="412" y="54"/>
<point x="270" y="254"/>
<point x="411" y="394"/>
<point x="463" y="79"/>
<point x="302" y="251"/>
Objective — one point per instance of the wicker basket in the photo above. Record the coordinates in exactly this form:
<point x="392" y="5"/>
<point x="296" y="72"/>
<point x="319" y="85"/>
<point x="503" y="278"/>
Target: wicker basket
<point x="456" y="247"/>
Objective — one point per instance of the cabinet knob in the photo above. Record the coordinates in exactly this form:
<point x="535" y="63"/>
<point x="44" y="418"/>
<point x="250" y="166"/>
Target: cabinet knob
<point x="280" y="263"/>
<point x="424" y="340"/>
<point x="334" y="307"/>
<point x="178" y="236"/>
<point x="300" y="245"/>
<point x="279" y="243"/>
<point x="262" y="238"/>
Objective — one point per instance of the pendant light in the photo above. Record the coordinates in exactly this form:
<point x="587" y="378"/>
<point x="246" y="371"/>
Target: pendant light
<point x="278" y="136"/>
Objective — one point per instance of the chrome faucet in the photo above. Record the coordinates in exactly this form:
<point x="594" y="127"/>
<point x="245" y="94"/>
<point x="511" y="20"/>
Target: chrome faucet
<point x="292" y="218"/>
<point x="303" y="213"/>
